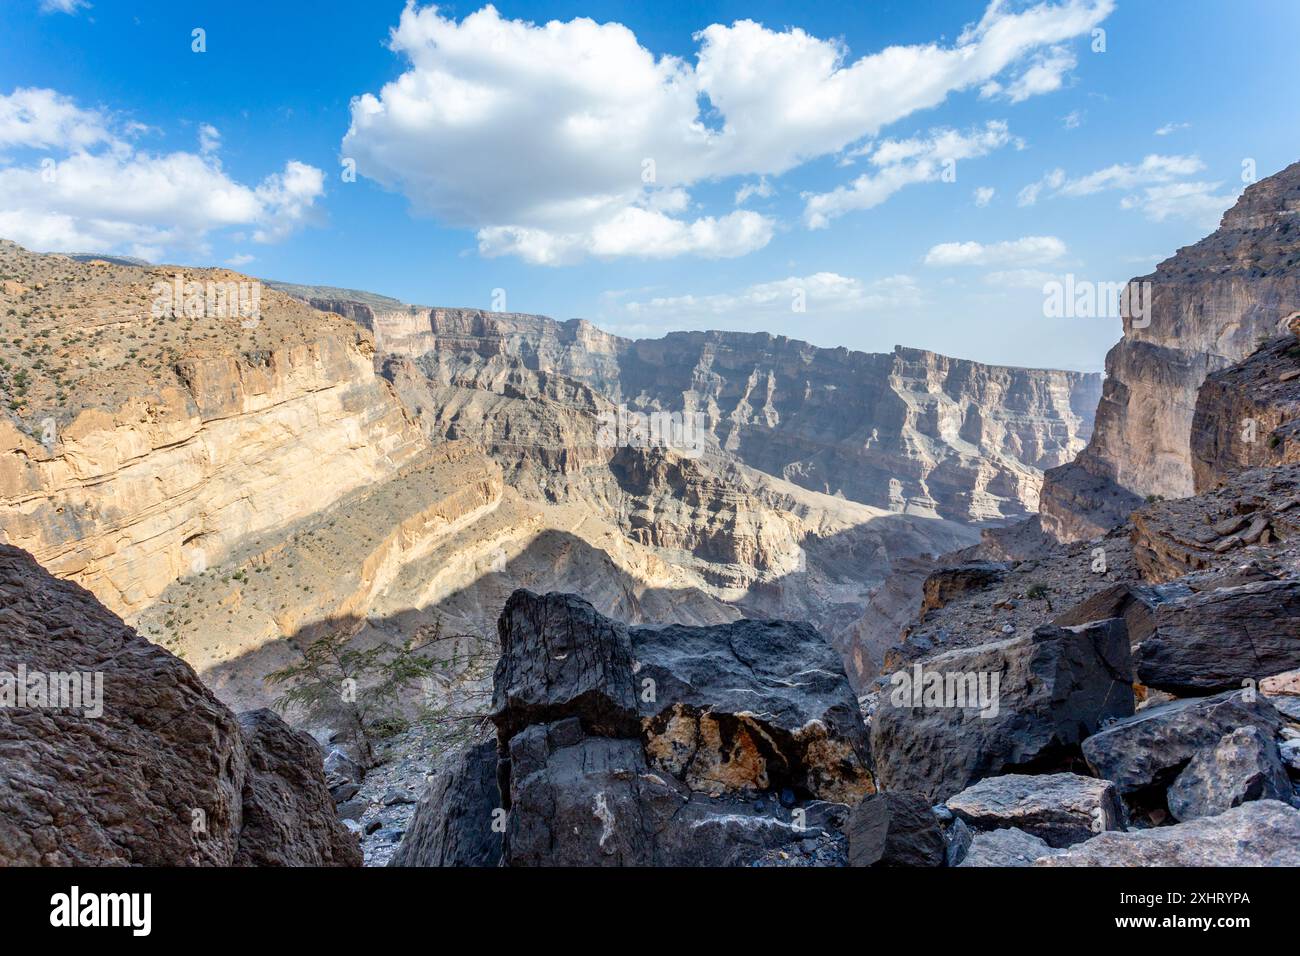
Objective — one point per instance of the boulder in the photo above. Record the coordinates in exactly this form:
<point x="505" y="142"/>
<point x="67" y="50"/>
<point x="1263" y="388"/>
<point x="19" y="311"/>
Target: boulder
<point x="343" y="775"/>
<point x="288" y="812"/>
<point x="1054" y="689"/>
<point x="1008" y="847"/>
<point x="1135" y="603"/>
<point x="157" y="771"/>
<point x="1060" y="808"/>
<point x="943" y="585"/>
<point x="895" y="829"/>
<point x="456" y="821"/>
<point x="559" y="658"/>
<point x="1143" y="754"/>
<point x="752" y="705"/>
<point x="1244" y="765"/>
<point x="577" y="800"/>
<point x="670" y="745"/>
<point x="1217" y="639"/>
<point x="1259" y="833"/>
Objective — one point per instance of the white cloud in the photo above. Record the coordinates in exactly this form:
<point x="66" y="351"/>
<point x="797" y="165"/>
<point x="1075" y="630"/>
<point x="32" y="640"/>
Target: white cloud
<point x="1072" y="120"/>
<point x="240" y="259"/>
<point x="64" y="6"/>
<point x="118" y="198"/>
<point x="1172" y="128"/>
<point x="901" y="163"/>
<point x="984" y="196"/>
<point x="1197" y="202"/>
<point x="41" y="119"/>
<point x="1028" y="251"/>
<point x="822" y="292"/>
<point x="1029" y="195"/>
<point x="633" y="231"/>
<point x="762" y="189"/>
<point x="538" y="136"/>
<point x="1046" y="74"/>
<point x="1157" y="186"/>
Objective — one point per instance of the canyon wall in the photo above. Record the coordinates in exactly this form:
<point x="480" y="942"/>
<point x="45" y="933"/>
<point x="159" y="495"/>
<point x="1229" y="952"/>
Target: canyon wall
<point x="172" y="442"/>
<point x="1211" y="306"/>
<point x="908" y="431"/>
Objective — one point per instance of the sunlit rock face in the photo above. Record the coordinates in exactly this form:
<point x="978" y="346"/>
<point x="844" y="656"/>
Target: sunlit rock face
<point x="1211" y="306"/>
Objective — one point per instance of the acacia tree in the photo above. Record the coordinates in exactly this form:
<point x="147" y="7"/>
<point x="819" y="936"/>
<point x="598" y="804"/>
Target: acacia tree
<point x="356" y="689"/>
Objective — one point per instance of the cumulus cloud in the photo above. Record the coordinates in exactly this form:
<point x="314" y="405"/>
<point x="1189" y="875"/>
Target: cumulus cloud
<point x="901" y="163"/>
<point x="549" y="140"/>
<point x="91" y="188"/>
<point x="1157" y="185"/>
<point x="983" y="196"/>
<point x="41" y="119"/>
<point x="1027" y="251"/>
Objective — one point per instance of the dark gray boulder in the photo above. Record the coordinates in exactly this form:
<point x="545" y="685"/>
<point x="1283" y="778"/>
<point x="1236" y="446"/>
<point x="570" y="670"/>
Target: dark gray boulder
<point x="1060" y="808"/>
<point x="1259" y="833"/>
<point x="1143" y="754"/>
<point x="895" y="829"/>
<point x="1136" y="604"/>
<point x="1218" y="639"/>
<point x="577" y="800"/>
<point x="1244" y="765"/>
<point x="460" y="820"/>
<point x="759" y="705"/>
<point x="1054" y="689"/>
<point x="1008" y="847"/>
<point x="559" y="658"/>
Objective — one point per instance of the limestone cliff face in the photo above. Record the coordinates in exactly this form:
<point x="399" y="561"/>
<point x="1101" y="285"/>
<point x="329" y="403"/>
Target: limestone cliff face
<point x="206" y="435"/>
<point x="908" y="431"/>
<point x="1211" y="304"/>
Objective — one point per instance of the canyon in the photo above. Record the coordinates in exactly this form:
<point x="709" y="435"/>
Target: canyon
<point x="695" y="633"/>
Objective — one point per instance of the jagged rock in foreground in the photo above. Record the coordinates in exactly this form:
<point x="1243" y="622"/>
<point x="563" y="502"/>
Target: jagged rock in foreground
<point x="1261" y="833"/>
<point x="645" y="746"/>
<point x="895" y="829"/>
<point x="166" y="775"/>
<point x="1055" y="688"/>
<point x="1059" y="808"/>
<point x="454" y="825"/>
<point x="1006" y="847"/>
<point x="1209" y="306"/>
<point x="1222" y="638"/>
<point x="1244" y="765"/>
<point x="1146" y="752"/>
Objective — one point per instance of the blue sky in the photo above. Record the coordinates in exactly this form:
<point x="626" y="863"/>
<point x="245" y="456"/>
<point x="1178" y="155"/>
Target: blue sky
<point x="993" y="150"/>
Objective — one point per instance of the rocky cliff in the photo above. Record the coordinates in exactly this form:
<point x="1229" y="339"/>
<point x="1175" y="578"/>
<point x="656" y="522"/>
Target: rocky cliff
<point x="1211" y="305"/>
<point x="1248" y="415"/>
<point x="140" y="445"/>
<point x="908" y="431"/>
<point x="140" y="764"/>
